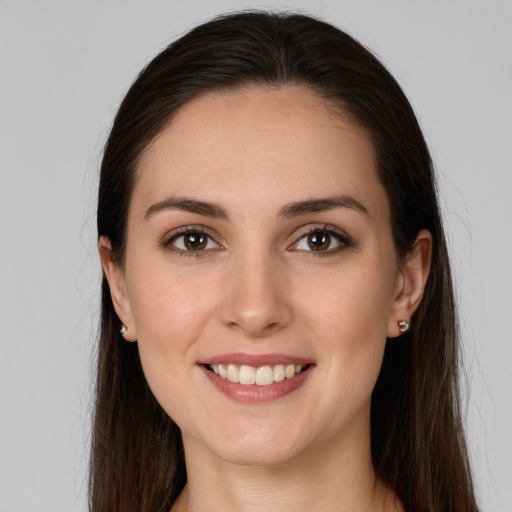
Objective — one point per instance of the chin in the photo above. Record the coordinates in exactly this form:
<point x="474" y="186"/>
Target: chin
<point x="269" y="446"/>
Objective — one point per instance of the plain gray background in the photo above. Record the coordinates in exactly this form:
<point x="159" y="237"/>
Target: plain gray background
<point x="65" y="65"/>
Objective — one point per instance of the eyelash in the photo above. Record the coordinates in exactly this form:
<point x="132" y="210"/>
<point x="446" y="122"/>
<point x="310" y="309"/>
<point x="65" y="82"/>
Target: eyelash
<point x="344" y="240"/>
<point x="188" y="230"/>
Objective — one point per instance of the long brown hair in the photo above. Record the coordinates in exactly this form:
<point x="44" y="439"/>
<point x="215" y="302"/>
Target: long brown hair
<point x="417" y="440"/>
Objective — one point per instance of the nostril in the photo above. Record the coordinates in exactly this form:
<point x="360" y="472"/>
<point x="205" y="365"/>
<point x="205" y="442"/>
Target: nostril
<point x="254" y="329"/>
<point x="273" y="326"/>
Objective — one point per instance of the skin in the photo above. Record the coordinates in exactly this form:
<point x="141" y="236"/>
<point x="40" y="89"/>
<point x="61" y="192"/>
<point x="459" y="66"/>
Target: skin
<point x="259" y="288"/>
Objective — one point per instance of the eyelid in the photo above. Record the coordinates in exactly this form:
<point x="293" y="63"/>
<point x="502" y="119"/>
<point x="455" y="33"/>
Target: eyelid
<point x="342" y="236"/>
<point x="190" y="229"/>
<point x="344" y="239"/>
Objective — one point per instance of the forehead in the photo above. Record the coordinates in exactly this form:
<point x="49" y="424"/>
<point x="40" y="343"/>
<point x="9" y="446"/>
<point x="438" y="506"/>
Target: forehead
<point x="259" y="145"/>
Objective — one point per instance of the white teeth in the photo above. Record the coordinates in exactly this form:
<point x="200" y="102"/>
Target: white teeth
<point x="289" y="371"/>
<point x="261" y="376"/>
<point x="264" y="376"/>
<point x="247" y="375"/>
<point x="279" y="372"/>
<point x="233" y="373"/>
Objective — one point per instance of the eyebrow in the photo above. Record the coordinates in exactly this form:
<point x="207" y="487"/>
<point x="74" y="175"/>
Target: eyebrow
<point x="188" y="205"/>
<point x="322" y="205"/>
<point x="291" y="210"/>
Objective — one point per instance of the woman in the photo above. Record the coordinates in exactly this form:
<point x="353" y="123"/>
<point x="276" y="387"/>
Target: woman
<point x="278" y="326"/>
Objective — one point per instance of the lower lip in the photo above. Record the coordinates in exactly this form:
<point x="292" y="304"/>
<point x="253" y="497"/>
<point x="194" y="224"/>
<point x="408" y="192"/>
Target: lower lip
<point x="253" y="393"/>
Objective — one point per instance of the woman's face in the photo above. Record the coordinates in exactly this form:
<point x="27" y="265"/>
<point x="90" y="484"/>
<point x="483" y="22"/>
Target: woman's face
<point x="259" y="237"/>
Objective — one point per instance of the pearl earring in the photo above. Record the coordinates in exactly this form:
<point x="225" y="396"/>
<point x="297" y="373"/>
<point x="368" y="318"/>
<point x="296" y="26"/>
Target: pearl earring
<point x="123" y="330"/>
<point x="403" y="325"/>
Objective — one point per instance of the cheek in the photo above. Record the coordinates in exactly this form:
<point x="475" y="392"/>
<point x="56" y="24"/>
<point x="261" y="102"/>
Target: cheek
<point x="352" y="304"/>
<point x="170" y="312"/>
<point x="347" y="314"/>
<point x="166" y="300"/>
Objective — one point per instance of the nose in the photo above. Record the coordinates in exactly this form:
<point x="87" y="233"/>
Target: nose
<point x="257" y="300"/>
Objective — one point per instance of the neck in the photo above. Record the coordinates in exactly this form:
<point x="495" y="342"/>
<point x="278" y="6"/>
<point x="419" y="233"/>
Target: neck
<point x="327" y="478"/>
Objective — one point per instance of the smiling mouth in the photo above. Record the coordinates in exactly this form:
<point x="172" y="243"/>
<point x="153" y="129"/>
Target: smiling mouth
<point x="256" y="376"/>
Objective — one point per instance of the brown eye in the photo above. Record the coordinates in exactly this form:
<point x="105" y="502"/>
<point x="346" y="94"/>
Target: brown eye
<point x="192" y="242"/>
<point x="195" y="241"/>
<point x="319" y="241"/>
<point x="323" y="241"/>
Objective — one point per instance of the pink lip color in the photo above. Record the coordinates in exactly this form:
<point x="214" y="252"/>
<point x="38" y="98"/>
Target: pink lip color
<point x="255" y="360"/>
<point x="251" y="394"/>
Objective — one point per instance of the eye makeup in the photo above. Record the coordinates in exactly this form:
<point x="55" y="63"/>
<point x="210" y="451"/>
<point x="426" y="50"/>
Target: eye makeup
<point x="317" y="240"/>
<point x="325" y="240"/>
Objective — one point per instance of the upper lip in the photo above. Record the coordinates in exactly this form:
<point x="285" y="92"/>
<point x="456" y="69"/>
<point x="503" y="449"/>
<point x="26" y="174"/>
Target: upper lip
<point x="255" y="360"/>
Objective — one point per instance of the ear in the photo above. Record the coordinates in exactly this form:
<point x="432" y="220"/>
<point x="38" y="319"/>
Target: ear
<point x="117" y="284"/>
<point x="411" y="282"/>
